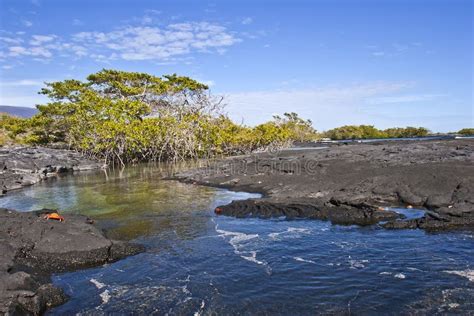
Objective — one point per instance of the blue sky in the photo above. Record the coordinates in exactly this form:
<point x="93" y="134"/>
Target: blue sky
<point x="385" y="63"/>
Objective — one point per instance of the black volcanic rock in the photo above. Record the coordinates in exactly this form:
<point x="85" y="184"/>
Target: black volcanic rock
<point x="353" y="183"/>
<point x="23" y="166"/>
<point x="32" y="247"/>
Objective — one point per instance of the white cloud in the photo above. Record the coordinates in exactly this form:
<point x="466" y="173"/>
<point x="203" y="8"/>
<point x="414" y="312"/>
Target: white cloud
<point x="405" y="98"/>
<point x="40" y="39"/>
<point x="27" y="23"/>
<point x="77" y="22"/>
<point x="11" y="40"/>
<point x="147" y="20"/>
<point x="40" y="47"/>
<point x="17" y="50"/>
<point x="247" y="21"/>
<point x="154" y="43"/>
<point x="395" y="49"/>
<point x="152" y="11"/>
<point x="34" y="51"/>
<point x="141" y="41"/>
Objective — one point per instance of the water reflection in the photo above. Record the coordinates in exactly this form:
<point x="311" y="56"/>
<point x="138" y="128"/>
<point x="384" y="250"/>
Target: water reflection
<point x="129" y="203"/>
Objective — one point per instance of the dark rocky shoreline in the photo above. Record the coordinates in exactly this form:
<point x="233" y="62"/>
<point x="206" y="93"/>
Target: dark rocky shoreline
<point x="352" y="184"/>
<point x="31" y="247"/>
<point x="24" y="166"/>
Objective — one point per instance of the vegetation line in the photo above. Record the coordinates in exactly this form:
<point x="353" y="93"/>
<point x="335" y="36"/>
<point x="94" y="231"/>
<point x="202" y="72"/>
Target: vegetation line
<point x="123" y="117"/>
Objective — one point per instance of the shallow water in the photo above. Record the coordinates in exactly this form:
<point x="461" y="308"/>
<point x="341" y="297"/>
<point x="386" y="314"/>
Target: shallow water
<point x="200" y="263"/>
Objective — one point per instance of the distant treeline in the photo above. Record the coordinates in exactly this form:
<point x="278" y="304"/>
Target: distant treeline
<point x="128" y="117"/>
<point x="369" y="131"/>
<point x="467" y="131"/>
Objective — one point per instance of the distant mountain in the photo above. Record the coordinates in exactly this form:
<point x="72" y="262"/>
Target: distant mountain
<point x="18" y="110"/>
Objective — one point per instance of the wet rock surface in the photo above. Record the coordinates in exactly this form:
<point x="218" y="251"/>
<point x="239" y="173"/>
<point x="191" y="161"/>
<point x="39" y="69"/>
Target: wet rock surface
<point x="23" y="166"/>
<point x="32" y="247"/>
<point x="352" y="184"/>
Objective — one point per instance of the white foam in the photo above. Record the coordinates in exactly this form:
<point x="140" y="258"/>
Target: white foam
<point x="292" y="231"/>
<point x="97" y="284"/>
<point x="414" y="269"/>
<point x="105" y="296"/>
<point x="469" y="274"/>
<point x="357" y="264"/>
<point x="385" y="273"/>
<point x="399" y="276"/>
<point x="298" y="230"/>
<point x="238" y="241"/>
<point x="303" y="260"/>
<point x="252" y="257"/>
<point x="185" y="289"/>
<point x="201" y="308"/>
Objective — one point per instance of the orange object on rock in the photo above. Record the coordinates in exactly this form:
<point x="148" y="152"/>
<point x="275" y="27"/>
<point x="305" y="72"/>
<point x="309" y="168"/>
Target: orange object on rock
<point x="218" y="210"/>
<point x="54" y="216"/>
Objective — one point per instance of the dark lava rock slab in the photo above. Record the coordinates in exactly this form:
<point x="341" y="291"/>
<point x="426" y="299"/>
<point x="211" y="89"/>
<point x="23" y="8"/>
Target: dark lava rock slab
<point x="361" y="215"/>
<point x="23" y="166"/>
<point x="351" y="183"/>
<point x="31" y="248"/>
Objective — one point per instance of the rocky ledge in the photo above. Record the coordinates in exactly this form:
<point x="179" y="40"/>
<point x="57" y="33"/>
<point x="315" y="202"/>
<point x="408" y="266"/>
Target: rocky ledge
<point x="31" y="248"/>
<point x="353" y="184"/>
<point x="23" y="166"/>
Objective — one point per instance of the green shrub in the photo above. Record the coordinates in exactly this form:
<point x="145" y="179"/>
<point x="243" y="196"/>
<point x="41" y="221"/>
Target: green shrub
<point x="466" y="131"/>
<point x="369" y="131"/>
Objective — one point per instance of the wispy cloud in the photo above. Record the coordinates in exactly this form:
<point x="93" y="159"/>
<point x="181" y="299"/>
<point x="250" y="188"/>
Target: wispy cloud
<point x="24" y="82"/>
<point x="77" y="22"/>
<point x="27" y="23"/>
<point x="155" y="43"/>
<point x="327" y="106"/>
<point x="37" y="40"/>
<point x="247" y="21"/>
<point x="394" y="49"/>
<point x="406" y="98"/>
<point x="40" y="47"/>
<point x="139" y="42"/>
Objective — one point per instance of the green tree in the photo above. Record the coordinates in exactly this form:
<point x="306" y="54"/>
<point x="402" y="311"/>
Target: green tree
<point x="127" y="116"/>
